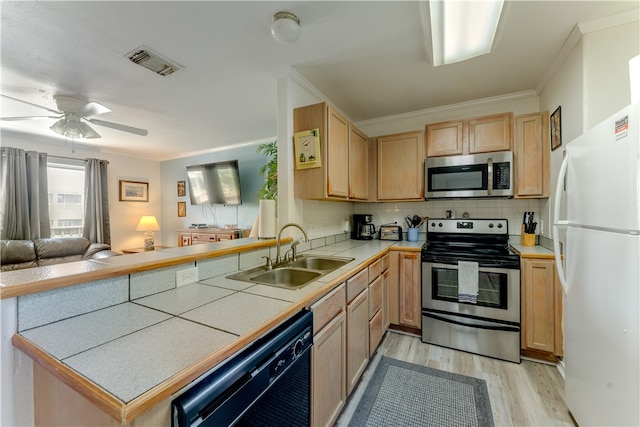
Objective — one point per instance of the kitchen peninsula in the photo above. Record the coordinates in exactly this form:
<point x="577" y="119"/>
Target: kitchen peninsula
<point x="118" y="337"/>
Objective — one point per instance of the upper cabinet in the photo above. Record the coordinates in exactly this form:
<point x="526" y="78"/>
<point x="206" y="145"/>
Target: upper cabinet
<point x="343" y="172"/>
<point x="531" y="153"/>
<point x="400" y="171"/>
<point x="477" y="135"/>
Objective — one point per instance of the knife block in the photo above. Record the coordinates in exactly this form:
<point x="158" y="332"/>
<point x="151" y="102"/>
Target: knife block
<point x="527" y="239"/>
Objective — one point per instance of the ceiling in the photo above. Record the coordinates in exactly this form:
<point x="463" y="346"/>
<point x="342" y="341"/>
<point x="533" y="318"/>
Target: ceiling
<point x="368" y="57"/>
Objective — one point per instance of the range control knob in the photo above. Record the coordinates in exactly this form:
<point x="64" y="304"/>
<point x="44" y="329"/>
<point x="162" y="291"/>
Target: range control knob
<point x="500" y="225"/>
<point x="490" y="225"/>
<point x="440" y="224"/>
<point x="433" y="224"/>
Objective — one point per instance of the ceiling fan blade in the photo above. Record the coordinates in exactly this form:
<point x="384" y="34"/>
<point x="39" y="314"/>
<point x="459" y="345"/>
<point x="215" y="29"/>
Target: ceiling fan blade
<point x="92" y="109"/>
<point x="118" y="126"/>
<point x="32" y="104"/>
<point x="13" y="119"/>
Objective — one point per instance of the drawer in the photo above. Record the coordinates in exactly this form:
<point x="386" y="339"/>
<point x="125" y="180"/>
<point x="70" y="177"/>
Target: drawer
<point x="328" y="307"/>
<point x="202" y="238"/>
<point x="385" y="262"/>
<point x="375" y="268"/>
<point x="357" y="283"/>
<point x="375" y="296"/>
<point x="376" y="331"/>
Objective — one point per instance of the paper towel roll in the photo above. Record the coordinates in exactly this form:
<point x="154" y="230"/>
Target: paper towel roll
<point x="267" y="220"/>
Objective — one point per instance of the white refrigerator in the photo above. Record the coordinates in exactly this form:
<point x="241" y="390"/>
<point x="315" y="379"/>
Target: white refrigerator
<point x="600" y="177"/>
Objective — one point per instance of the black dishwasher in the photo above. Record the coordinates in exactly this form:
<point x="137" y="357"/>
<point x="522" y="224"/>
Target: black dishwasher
<point x="266" y="384"/>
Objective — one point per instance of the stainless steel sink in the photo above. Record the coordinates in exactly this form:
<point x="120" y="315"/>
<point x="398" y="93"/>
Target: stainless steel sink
<point x="292" y="274"/>
<point x="286" y="277"/>
<point x="319" y="263"/>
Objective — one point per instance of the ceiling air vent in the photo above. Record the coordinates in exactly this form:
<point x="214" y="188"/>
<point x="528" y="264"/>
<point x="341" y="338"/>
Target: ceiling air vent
<point x="150" y="60"/>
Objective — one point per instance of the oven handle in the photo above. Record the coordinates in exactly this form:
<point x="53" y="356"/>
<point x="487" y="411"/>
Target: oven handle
<point x="479" y="324"/>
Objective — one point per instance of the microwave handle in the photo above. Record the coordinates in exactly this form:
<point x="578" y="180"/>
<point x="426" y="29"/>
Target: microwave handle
<point x="490" y="176"/>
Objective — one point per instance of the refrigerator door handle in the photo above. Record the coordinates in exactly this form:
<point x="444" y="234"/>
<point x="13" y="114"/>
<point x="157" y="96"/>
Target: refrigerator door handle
<point x="558" y="223"/>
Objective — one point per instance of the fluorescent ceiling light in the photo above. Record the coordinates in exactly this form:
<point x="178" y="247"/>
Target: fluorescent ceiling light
<point x="462" y="30"/>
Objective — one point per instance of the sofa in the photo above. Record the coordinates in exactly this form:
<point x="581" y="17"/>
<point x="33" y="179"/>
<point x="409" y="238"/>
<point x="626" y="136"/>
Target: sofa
<point x="19" y="254"/>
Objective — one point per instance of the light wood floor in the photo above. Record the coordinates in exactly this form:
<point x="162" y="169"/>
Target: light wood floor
<point x="525" y="394"/>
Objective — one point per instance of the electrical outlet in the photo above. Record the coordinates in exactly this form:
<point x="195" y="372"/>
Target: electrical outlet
<point x="187" y="276"/>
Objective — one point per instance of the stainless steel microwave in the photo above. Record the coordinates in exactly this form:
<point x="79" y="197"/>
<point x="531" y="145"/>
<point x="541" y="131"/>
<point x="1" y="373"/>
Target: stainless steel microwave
<point x="475" y="175"/>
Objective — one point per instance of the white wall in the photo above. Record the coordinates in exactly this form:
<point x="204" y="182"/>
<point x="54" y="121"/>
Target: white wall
<point x="590" y="85"/>
<point x="124" y="216"/>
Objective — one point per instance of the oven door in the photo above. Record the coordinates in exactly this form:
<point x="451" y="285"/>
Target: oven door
<point x="498" y="293"/>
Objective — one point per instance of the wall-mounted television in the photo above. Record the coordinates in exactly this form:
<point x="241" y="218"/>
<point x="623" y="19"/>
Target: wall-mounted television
<point x="214" y="183"/>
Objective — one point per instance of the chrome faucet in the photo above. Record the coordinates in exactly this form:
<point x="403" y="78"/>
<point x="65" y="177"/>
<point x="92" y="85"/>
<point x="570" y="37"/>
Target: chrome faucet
<point x="293" y="244"/>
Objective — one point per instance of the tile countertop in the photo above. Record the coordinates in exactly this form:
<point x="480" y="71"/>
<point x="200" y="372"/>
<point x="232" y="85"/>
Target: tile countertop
<point x="530" y="251"/>
<point x="123" y="349"/>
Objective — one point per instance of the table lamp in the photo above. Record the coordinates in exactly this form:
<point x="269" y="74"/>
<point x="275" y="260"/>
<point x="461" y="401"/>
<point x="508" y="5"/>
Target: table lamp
<point x="148" y="224"/>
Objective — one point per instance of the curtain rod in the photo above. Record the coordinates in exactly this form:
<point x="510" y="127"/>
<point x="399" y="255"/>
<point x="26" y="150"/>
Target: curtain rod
<point x="50" y="156"/>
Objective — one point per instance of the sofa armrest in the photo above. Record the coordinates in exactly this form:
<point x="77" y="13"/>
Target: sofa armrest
<point x="95" y="250"/>
<point x="17" y="254"/>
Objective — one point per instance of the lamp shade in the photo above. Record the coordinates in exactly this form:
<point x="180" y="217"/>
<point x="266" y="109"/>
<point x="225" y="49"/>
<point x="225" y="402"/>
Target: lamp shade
<point x="148" y="223"/>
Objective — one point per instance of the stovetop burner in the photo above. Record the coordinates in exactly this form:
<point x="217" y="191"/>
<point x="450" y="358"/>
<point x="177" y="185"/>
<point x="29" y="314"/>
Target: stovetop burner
<point x="483" y="240"/>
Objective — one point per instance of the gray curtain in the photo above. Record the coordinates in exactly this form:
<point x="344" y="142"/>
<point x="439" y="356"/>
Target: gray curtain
<point x="25" y="199"/>
<point x="96" y="202"/>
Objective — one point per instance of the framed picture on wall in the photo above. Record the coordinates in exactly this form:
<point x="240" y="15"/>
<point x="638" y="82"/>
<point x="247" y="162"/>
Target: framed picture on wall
<point x="182" y="209"/>
<point x="556" y="129"/>
<point x="133" y="191"/>
<point x="181" y="189"/>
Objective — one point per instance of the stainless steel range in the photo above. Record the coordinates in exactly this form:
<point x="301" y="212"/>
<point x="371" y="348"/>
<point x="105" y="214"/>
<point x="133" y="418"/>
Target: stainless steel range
<point x="471" y="287"/>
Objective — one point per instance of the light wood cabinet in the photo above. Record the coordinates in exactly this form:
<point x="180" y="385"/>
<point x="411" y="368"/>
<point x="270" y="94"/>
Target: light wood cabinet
<point x="469" y="136"/>
<point x="531" y="154"/>
<point x="337" y="158"/>
<point x="358" y="164"/>
<point x="328" y="358"/>
<point x="405" y="305"/>
<point x="409" y="308"/>
<point x="207" y="235"/>
<point x="357" y="338"/>
<point x="344" y="157"/>
<point x="490" y="133"/>
<point x="445" y="138"/>
<point x="541" y="307"/>
<point x="400" y="171"/>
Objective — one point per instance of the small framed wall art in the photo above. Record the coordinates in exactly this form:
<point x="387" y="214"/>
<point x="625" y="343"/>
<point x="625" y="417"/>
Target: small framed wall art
<point x="181" y="189"/>
<point x="133" y="191"/>
<point x="556" y="129"/>
<point x="307" y="149"/>
<point x="182" y="209"/>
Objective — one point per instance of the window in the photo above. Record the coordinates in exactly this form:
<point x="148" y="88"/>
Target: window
<point x="66" y="196"/>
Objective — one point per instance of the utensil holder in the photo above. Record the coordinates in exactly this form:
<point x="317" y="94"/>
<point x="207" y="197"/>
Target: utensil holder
<point x="527" y="239"/>
<point x="412" y="234"/>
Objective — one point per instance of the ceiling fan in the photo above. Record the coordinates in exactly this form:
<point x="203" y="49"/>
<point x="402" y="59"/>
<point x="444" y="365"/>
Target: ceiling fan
<point x="72" y="114"/>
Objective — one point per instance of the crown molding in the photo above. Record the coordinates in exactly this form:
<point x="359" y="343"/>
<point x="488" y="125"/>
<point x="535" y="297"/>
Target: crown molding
<point x="516" y="96"/>
<point x="577" y="34"/>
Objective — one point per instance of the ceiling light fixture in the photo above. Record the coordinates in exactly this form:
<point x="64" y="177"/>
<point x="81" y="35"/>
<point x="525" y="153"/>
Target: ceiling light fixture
<point x="462" y="30"/>
<point x="285" y="27"/>
<point x="72" y="127"/>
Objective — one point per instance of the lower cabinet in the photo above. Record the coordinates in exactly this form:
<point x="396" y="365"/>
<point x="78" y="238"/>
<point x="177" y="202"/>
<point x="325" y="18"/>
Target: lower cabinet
<point x="541" y="316"/>
<point x="328" y="358"/>
<point x="348" y="325"/>
<point x="404" y="289"/>
<point x="357" y="337"/>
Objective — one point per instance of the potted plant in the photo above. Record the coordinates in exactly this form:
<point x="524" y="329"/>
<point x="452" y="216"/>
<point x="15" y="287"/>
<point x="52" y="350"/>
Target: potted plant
<point x="269" y="190"/>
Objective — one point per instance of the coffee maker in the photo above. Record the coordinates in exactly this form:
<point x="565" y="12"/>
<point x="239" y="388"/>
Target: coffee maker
<point x="363" y="228"/>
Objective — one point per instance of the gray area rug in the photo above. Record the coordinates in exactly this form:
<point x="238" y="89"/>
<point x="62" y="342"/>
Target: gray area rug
<point x="404" y="394"/>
